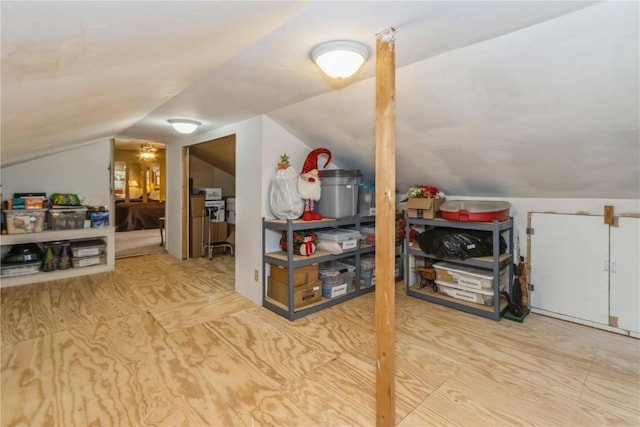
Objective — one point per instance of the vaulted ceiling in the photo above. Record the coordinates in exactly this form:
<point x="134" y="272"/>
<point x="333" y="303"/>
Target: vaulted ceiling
<point x="506" y="99"/>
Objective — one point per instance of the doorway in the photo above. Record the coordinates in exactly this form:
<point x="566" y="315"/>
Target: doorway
<point x="138" y="197"/>
<point x="211" y="164"/>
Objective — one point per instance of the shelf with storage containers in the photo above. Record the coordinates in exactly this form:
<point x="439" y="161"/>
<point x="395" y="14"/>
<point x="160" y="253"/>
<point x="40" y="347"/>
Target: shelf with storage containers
<point x="317" y="281"/>
<point x="91" y="250"/>
<point x="472" y="285"/>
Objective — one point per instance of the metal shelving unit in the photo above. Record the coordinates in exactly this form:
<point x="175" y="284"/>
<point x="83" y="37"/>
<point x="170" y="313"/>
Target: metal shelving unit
<point x="494" y="263"/>
<point x="290" y="260"/>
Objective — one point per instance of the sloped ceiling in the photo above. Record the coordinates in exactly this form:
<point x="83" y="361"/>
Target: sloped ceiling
<point x="519" y="99"/>
<point x="219" y="153"/>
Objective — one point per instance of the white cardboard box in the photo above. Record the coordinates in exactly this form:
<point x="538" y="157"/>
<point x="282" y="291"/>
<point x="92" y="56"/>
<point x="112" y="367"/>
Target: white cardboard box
<point x="210" y="193"/>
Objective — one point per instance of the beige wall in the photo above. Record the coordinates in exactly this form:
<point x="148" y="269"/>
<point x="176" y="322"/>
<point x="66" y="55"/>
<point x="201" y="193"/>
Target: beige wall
<point x="135" y="168"/>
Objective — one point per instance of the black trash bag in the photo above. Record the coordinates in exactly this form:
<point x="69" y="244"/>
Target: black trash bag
<point x="455" y="243"/>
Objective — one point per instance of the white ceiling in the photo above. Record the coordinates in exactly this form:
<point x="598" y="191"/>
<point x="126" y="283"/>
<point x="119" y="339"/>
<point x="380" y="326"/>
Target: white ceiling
<point x="504" y="99"/>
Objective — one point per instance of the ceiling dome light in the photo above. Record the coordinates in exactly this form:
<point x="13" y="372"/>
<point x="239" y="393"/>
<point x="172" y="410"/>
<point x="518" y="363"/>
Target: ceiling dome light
<point x="341" y="58"/>
<point x="184" y="126"/>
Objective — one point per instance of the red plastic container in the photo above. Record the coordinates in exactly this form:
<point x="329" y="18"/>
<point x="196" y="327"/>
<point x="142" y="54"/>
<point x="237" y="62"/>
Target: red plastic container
<point x="475" y="210"/>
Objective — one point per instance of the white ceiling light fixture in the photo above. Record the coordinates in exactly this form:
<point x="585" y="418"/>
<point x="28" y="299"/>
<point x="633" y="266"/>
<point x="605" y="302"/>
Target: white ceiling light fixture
<point x="184" y="126"/>
<point x="340" y="58"/>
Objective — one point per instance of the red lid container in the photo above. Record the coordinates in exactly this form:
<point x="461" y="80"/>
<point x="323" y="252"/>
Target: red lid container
<point x="475" y="210"/>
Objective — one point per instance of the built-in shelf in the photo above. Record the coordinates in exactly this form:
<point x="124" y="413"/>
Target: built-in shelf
<point x="106" y="233"/>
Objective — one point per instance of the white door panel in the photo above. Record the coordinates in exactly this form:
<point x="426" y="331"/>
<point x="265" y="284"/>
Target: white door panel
<point x="625" y="274"/>
<point x="569" y="265"/>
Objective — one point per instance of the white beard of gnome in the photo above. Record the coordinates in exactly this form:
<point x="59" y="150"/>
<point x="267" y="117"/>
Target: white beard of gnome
<point x="309" y="187"/>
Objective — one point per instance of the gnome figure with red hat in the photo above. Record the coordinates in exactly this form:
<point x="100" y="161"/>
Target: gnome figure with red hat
<point x="309" y="183"/>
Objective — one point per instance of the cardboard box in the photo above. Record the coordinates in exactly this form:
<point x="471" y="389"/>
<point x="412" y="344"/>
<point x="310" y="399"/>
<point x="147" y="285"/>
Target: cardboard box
<point x="210" y="193"/>
<point x="197" y="204"/>
<point x="423" y="208"/>
<point x="302" y="295"/>
<point x="301" y="275"/>
<point x="218" y="232"/>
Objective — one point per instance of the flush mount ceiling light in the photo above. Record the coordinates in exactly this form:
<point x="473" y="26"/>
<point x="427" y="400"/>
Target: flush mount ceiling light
<point x="184" y="125"/>
<point x="341" y="58"/>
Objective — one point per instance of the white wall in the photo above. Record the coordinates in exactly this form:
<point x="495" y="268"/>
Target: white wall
<point x="83" y="171"/>
<point x="248" y="256"/>
<point x="520" y="208"/>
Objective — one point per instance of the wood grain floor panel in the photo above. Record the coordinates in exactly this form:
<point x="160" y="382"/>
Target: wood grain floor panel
<point x="279" y="353"/>
<point x="329" y="330"/>
<point x="74" y="378"/>
<point x="199" y="310"/>
<point x="237" y="384"/>
<point x="54" y="306"/>
<point x="338" y="393"/>
<point x="143" y="346"/>
<point x="609" y="397"/>
<point x="471" y="398"/>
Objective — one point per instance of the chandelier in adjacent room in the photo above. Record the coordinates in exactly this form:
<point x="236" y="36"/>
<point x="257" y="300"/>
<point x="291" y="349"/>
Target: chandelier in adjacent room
<point x="147" y="153"/>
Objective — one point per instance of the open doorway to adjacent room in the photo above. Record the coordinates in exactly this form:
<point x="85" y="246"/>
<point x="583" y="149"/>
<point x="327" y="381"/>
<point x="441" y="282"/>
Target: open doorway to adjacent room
<point x="138" y="193"/>
<point x="211" y="165"/>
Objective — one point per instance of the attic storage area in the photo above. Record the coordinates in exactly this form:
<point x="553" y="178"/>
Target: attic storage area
<point x="531" y="103"/>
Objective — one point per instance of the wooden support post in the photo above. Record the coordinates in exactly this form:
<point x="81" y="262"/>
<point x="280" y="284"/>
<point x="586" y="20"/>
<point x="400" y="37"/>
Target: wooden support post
<point x="385" y="227"/>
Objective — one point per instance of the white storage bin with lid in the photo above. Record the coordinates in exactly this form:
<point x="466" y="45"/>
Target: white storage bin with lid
<point x="87" y="247"/>
<point x="11" y="270"/>
<point x="469" y="277"/>
<point x="88" y="261"/>
<point x="477" y="296"/>
<point x="338" y="241"/>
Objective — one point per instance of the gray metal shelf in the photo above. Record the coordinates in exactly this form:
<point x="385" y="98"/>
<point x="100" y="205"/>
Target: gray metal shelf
<point x="289" y="260"/>
<point x="494" y="263"/>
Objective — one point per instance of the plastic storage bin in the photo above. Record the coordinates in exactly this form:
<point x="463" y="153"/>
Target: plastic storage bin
<point x="11" y="270"/>
<point x="67" y="219"/>
<point x="367" y="269"/>
<point x="477" y="296"/>
<point x="87" y="248"/>
<point x="469" y="277"/>
<point x="339" y="193"/>
<point x="338" y="240"/>
<point x="336" y="278"/>
<point x="88" y="261"/>
<point x="368" y="235"/>
<point x="367" y="199"/>
<point x="25" y="221"/>
<point x="475" y="210"/>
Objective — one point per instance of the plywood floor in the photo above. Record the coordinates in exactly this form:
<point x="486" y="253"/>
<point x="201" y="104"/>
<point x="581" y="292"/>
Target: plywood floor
<point x="166" y="342"/>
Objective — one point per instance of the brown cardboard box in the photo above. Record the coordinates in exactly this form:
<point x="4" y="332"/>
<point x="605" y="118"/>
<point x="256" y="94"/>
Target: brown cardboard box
<point x="302" y="295"/>
<point x="217" y="231"/>
<point x="301" y="275"/>
<point x="423" y="208"/>
<point x="197" y="204"/>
